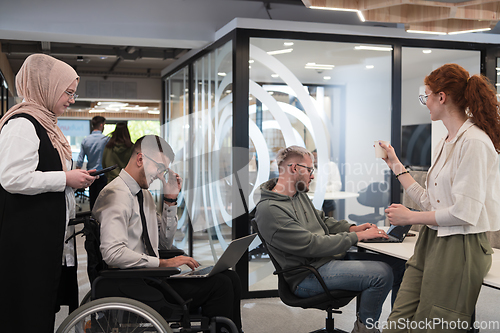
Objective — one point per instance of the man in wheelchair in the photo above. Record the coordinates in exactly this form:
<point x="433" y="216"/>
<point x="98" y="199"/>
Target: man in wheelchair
<point x="132" y="231"/>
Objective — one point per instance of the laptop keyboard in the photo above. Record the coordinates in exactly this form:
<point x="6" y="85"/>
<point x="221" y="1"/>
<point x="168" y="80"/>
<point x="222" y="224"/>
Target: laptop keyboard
<point x="202" y="271"/>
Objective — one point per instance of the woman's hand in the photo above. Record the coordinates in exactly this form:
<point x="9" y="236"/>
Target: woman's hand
<point x="79" y="178"/>
<point x="179" y="261"/>
<point x="399" y="214"/>
<point x="391" y="158"/>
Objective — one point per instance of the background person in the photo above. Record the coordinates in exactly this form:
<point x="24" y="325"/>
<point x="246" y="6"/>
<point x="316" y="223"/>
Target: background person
<point x="117" y="150"/>
<point x="93" y="146"/>
<point x="117" y="209"/>
<point x="298" y="234"/>
<point x="37" y="199"/>
<point x="460" y="203"/>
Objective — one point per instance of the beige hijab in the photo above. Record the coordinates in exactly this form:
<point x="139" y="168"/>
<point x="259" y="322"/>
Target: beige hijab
<point x="41" y="81"/>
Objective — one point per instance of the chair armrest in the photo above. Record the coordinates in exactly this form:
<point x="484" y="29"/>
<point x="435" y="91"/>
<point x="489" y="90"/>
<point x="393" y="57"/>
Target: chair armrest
<point x="167" y="254"/>
<point x="140" y="272"/>
<point x="80" y="217"/>
<point x="311" y="269"/>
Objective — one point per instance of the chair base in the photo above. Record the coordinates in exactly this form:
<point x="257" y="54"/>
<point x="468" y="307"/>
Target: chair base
<point x="324" y="330"/>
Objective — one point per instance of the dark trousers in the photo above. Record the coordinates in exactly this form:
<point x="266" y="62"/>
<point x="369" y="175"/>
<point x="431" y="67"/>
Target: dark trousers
<point x="218" y="295"/>
<point x="96" y="188"/>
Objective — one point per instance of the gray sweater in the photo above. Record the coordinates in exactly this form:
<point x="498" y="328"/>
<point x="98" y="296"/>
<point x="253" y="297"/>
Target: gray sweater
<point x="297" y="234"/>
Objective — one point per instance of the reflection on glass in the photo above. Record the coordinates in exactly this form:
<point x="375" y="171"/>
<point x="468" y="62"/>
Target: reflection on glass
<point x="202" y="142"/>
<point x="330" y="97"/>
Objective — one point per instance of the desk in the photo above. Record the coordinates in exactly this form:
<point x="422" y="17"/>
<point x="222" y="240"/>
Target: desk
<point x="336" y="195"/>
<point x="405" y="250"/>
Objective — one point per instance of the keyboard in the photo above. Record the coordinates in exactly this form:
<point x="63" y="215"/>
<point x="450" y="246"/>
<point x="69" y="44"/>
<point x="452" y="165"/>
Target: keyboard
<point x="202" y="271"/>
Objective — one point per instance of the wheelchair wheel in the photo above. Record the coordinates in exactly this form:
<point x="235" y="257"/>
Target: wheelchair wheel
<point x="86" y="298"/>
<point x="114" y="315"/>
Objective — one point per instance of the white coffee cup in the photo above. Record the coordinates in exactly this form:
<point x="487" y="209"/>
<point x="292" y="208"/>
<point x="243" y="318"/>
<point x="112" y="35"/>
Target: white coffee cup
<point x="379" y="151"/>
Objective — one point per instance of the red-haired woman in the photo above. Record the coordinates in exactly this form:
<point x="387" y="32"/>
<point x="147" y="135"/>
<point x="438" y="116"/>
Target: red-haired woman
<point x="460" y="203"/>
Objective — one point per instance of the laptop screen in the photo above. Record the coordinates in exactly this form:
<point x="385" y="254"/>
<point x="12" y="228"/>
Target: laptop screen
<point x="398" y="231"/>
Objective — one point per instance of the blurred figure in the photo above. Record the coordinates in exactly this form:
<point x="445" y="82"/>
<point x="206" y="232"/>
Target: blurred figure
<point x="92" y="147"/>
<point x="117" y="151"/>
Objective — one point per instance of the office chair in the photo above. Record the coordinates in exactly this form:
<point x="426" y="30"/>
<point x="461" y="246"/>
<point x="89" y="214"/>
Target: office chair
<point x="147" y="288"/>
<point x="375" y="195"/>
<point x="330" y="301"/>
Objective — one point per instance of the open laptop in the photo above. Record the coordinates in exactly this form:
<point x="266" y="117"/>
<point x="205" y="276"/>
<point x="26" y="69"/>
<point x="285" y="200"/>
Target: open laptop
<point x="228" y="259"/>
<point x="396" y="233"/>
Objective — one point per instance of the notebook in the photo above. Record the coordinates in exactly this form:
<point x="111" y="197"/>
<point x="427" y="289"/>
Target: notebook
<point x="396" y="233"/>
<point x="228" y="259"/>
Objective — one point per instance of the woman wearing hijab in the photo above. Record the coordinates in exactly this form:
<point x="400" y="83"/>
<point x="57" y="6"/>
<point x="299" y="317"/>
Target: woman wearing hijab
<point x="117" y="151"/>
<point x="37" y="199"/>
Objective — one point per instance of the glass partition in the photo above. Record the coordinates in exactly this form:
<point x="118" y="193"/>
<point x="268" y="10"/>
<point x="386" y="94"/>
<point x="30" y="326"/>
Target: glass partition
<point x="419" y="133"/>
<point x="332" y="98"/>
<point x="202" y="141"/>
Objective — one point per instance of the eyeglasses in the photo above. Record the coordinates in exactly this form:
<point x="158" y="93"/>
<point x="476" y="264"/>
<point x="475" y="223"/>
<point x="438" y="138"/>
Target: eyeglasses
<point x="72" y="96"/>
<point x="311" y="170"/>
<point x="160" y="167"/>
<point x="423" y="99"/>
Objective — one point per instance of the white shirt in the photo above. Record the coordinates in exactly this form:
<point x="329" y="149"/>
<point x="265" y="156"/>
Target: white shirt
<point x="463" y="184"/>
<point x="117" y="210"/>
<point x="18" y="175"/>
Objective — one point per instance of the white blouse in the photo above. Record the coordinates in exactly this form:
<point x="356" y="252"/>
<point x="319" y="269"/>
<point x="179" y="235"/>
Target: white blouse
<point x="463" y="184"/>
<point x="18" y="162"/>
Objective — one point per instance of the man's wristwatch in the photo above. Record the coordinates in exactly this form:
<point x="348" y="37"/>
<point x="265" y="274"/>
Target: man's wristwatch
<point x="174" y="201"/>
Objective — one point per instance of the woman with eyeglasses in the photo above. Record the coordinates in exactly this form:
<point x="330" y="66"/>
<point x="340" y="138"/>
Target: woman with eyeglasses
<point x="460" y="203"/>
<point x="37" y="199"/>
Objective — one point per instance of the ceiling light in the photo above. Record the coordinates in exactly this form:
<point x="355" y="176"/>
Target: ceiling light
<point x="103" y="57"/>
<point x="288" y="43"/>
<point x="228" y="91"/>
<point x="468" y="31"/>
<point x="172" y="96"/>
<point x="313" y="65"/>
<point x="221" y="74"/>
<point x="360" y="15"/>
<point x="251" y="61"/>
<point x="373" y="48"/>
<point x="186" y="90"/>
<point x="275" y="75"/>
<point x="154" y="112"/>
<point x="369" y="66"/>
<point x="425" y="32"/>
<point x="327" y="77"/>
<point x="335" y="9"/>
<point x="250" y="98"/>
<point x="279" y="51"/>
<point x="270" y="92"/>
<point x="426" y="51"/>
<point x="498" y="68"/>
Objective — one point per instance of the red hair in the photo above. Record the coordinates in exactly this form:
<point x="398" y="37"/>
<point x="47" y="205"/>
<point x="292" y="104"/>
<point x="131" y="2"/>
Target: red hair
<point x="475" y="95"/>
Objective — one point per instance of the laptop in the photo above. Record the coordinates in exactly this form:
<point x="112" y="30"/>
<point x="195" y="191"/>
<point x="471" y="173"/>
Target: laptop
<point x="228" y="259"/>
<point x="396" y="233"/>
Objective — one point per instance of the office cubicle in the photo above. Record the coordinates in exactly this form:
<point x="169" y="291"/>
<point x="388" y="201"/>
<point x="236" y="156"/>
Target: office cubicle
<point x="230" y="107"/>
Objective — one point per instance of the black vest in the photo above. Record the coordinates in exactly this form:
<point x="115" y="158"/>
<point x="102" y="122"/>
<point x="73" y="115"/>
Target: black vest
<point x="32" y="231"/>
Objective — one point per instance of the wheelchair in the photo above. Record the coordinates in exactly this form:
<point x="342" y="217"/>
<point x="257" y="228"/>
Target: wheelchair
<point x="132" y="300"/>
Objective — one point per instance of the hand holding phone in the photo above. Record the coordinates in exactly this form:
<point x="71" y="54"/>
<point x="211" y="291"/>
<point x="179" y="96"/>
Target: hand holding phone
<point x="103" y="171"/>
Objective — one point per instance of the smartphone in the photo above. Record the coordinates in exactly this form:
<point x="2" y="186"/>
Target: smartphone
<point x="102" y="171"/>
